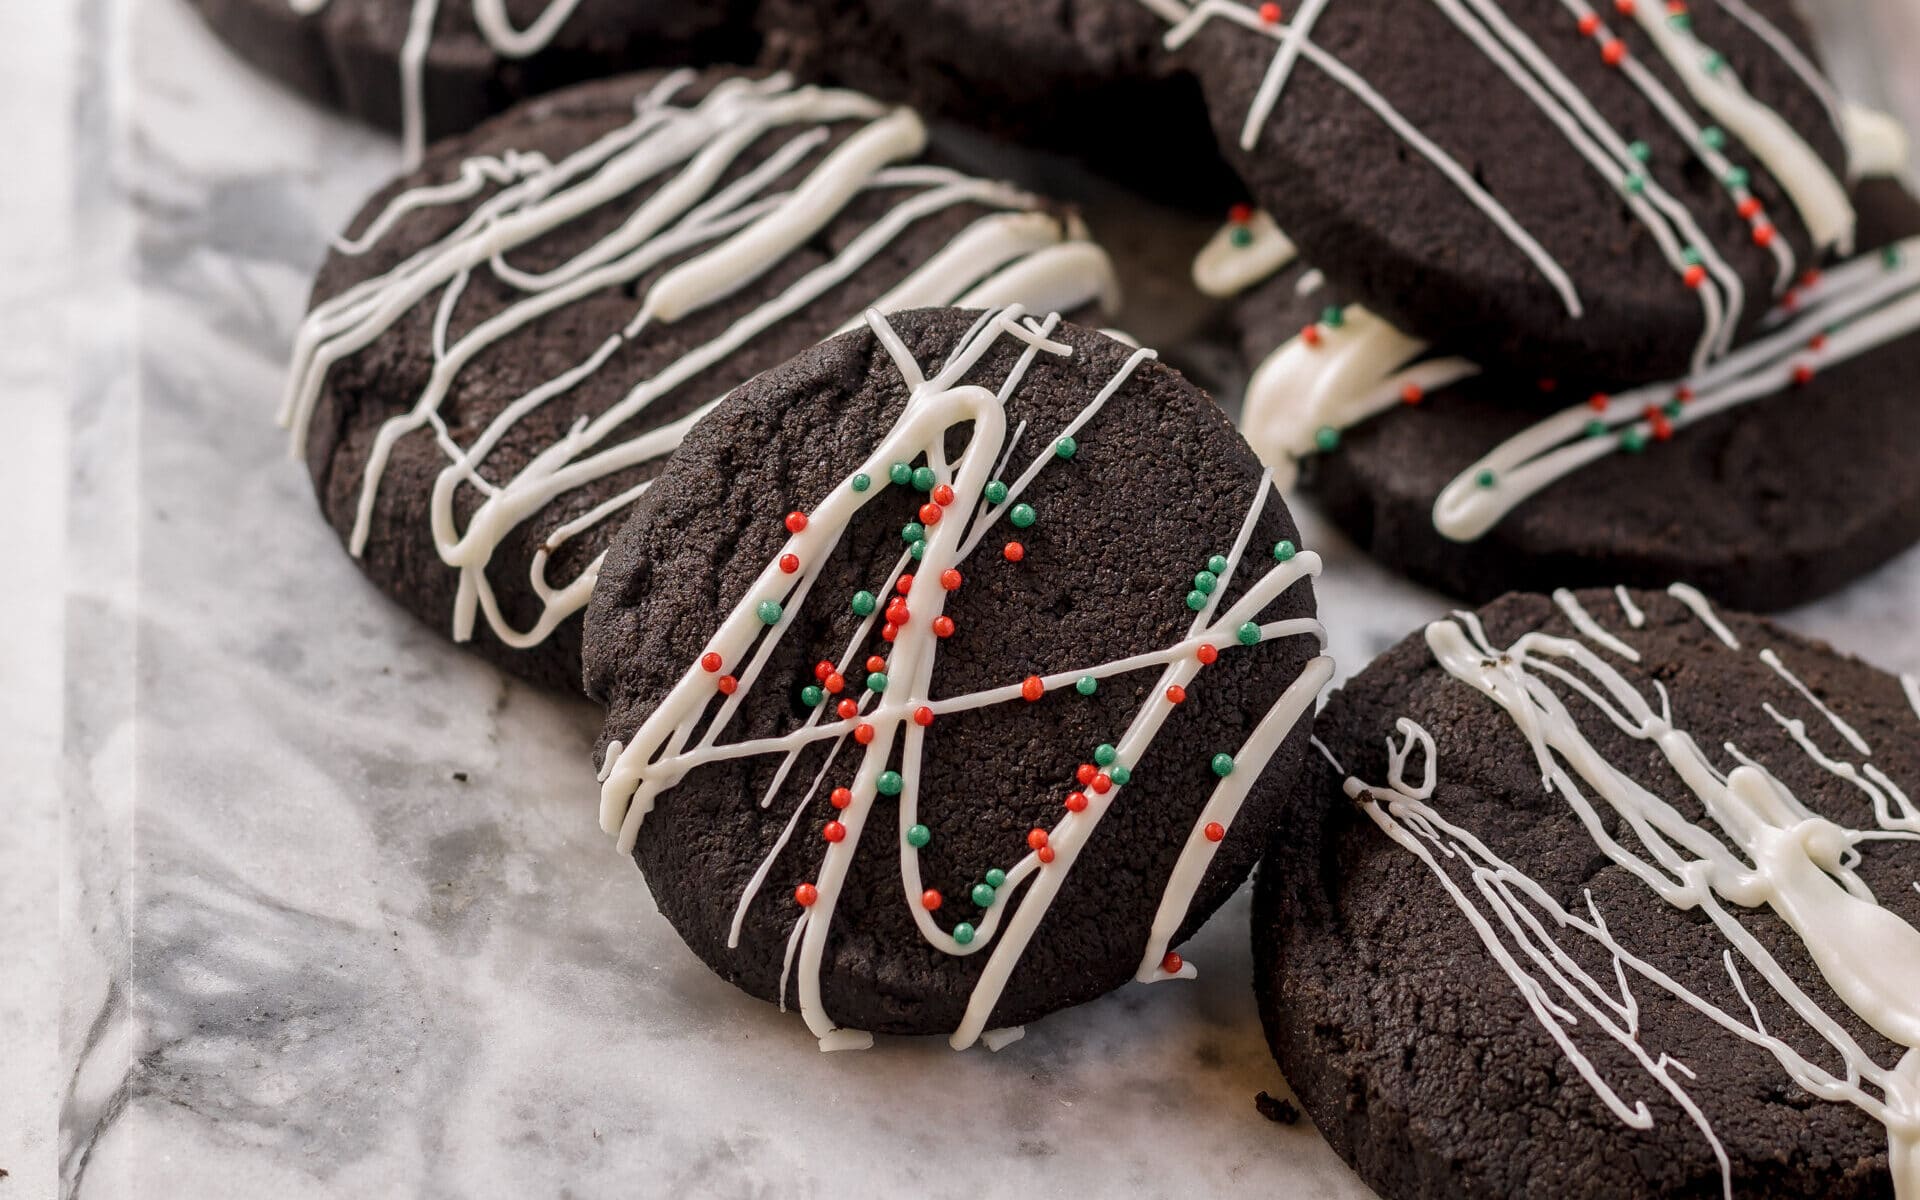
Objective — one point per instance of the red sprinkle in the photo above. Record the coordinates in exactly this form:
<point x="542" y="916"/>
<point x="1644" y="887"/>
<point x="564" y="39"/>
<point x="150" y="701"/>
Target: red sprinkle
<point x="709" y="662"/>
<point x="942" y="495"/>
<point x="863" y="733"/>
<point x="1036" y="839"/>
<point x="1623" y="7"/>
<point x="1662" y="428"/>
<point x="930" y="513"/>
<point x="1214" y="831"/>
<point x="1076" y="802"/>
<point x="1206" y="653"/>
<point x="834" y="831"/>
<point x="889" y="631"/>
<point x="1044" y="854"/>
<point x="1032" y="688"/>
<point x="950" y="579"/>
<point x="1695" y="276"/>
<point x="903" y="585"/>
<point x="943" y="626"/>
<point x="789" y="563"/>
<point x="841" y="797"/>
<point x="1270" y="14"/>
<point x="1749" y="208"/>
<point x="805" y="895"/>
<point x="1589" y="25"/>
<point x="1102" y="784"/>
<point x="1014" y="552"/>
<point x="1240" y="214"/>
<point x="727" y="684"/>
<point x="835" y="683"/>
<point x="1311" y="335"/>
<point x="1809" y="277"/>
<point x="1172" y="963"/>
<point x="875" y="663"/>
<point x="1177" y="694"/>
<point x="796" y="521"/>
<point x="897" y="612"/>
<point x="822" y="669"/>
<point x="848" y="710"/>
<point x="1802" y="375"/>
<point x="930" y="900"/>
<point x="1819" y="342"/>
<point x="1613" y="53"/>
<point x="1598" y="401"/>
<point x="1683" y="394"/>
<point x="1763" y="235"/>
<point x="1413" y="393"/>
<point x="1085" y="773"/>
<point x="923" y="716"/>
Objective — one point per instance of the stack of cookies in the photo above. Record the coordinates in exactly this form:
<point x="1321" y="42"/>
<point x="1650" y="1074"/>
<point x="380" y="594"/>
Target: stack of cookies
<point x="960" y="657"/>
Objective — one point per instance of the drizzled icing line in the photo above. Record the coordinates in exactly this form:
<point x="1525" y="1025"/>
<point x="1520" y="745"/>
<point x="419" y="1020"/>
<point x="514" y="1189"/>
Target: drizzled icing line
<point x="890" y="719"/>
<point x="1783" y="855"/>
<point x="724" y="238"/>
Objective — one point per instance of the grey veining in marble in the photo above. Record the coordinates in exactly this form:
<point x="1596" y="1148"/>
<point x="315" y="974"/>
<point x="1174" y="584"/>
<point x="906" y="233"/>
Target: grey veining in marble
<point x="338" y="919"/>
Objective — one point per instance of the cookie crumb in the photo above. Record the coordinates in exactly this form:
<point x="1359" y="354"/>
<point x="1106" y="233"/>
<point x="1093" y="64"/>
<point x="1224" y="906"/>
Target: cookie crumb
<point x="459" y="776"/>
<point x="1280" y="1112"/>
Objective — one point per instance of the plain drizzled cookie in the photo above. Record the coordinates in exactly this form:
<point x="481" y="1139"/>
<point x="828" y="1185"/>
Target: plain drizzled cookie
<point x="1606" y="894"/>
<point x="510" y="340"/>
<point x="955" y="672"/>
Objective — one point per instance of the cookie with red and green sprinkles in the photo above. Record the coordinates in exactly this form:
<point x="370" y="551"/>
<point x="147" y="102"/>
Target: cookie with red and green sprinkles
<point x="1770" y="479"/>
<point x="955" y="671"/>
<point x="1627" y="185"/>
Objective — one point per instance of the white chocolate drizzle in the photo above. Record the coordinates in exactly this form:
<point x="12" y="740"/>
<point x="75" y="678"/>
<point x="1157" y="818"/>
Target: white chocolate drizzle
<point x="1757" y="845"/>
<point x="1911" y="686"/>
<point x="683" y="731"/>
<point x="718" y="239"/>
<point x="1702" y="608"/>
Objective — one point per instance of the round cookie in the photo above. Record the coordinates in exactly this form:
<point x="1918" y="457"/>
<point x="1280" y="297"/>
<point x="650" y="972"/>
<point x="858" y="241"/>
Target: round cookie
<point x="1087" y="78"/>
<point x="430" y="68"/>
<point x="1776" y="476"/>
<point x="1627" y="187"/>
<point x="511" y="339"/>
<point x="953" y="783"/>
<point x="1632" y="984"/>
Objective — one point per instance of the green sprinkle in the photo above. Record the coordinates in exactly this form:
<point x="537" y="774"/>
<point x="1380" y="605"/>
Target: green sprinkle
<point x="912" y="531"/>
<point x="1327" y="438"/>
<point x="900" y="473"/>
<point x="1713" y="137"/>
<point x="1217" y="564"/>
<point x="1104" y="754"/>
<point x="1022" y="516"/>
<point x="1715" y="63"/>
<point x="1634" y="440"/>
<point x="996" y="492"/>
<point x="996" y="877"/>
<point x="1065" y="447"/>
<point x="1248" y="634"/>
<point x="1223" y="765"/>
<point x="1485" y="479"/>
<point x="1680" y="20"/>
<point x="769" y="611"/>
<point x="1196" y="600"/>
<point x="1086" y="685"/>
<point x="1736" y="178"/>
<point x="1205" y="582"/>
<point x="1284" y="550"/>
<point x="864" y="604"/>
<point x="876" y="681"/>
<point x="963" y="933"/>
<point x="918" y="836"/>
<point x="1333" y="316"/>
<point x="983" y="894"/>
<point x="1640" y="150"/>
<point x="1672" y="408"/>
<point x="1241" y="236"/>
<point x="1891" y="257"/>
<point x="1120" y="775"/>
<point x="1635" y="183"/>
<point x="918" y="550"/>
<point x="889" y="783"/>
<point x="812" y="694"/>
<point x="1691" y="256"/>
<point x="1596" y="428"/>
<point x="924" y="479"/>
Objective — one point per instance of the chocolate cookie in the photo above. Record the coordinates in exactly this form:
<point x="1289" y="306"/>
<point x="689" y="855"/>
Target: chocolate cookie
<point x="954" y="672"/>
<point x="1773" y="477"/>
<point x="1607" y="895"/>
<point x="1629" y="187"/>
<point x="1086" y="77"/>
<point x="431" y="68"/>
<point x="511" y="339"/>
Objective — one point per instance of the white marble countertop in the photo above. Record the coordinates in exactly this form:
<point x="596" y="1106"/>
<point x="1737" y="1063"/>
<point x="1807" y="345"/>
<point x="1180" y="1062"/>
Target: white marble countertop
<point x="335" y="918"/>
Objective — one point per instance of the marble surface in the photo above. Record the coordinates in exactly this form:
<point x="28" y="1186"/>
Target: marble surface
<point x="335" y="918"/>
